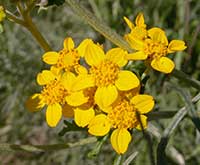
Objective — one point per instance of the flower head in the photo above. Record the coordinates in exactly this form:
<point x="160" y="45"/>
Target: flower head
<point x="156" y="48"/>
<point x="122" y="116"/>
<point x="68" y="58"/>
<point x="106" y="74"/>
<point x="151" y="45"/>
<point x="58" y="92"/>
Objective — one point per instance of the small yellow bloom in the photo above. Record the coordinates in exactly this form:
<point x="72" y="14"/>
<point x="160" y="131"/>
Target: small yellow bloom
<point x="156" y="47"/>
<point x="151" y="44"/>
<point x="2" y="13"/>
<point x="123" y="116"/>
<point x="105" y="73"/>
<point x="58" y="93"/>
<point x="68" y="58"/>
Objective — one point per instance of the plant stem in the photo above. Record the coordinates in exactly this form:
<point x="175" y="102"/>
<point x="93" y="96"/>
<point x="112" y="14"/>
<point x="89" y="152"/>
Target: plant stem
<point x="30" y="6"/>
<point x="118" y="160"/>
<point x="185" y="78"/>
<point x="98" y="147"/>
<point x="35" y="32"/>
<point x="169" y="130"/>
<point x="14" y="18"/>
<point x="43" y="148"/>
<point x="30" y="26"/>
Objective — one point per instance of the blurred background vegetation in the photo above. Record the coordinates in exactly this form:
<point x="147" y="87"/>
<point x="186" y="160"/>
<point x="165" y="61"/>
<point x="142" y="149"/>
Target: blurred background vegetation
<point x="20" y="61"/>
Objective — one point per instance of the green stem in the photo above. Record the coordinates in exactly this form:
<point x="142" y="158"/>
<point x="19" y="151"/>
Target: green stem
<point x="130" y="158"/>
<point x="157" y="115"/>
<point x="15" y="19"/>
<point x="29" y="25"/>
<point x="185" y="78"/>
<point x="35" y="32"/>
<point x="5" y="147"/>
<point x="118" y="160"/>
<point x="169" y="130"/>
<point x="30" y="6"/>
<point x="98" y="147"/>
<point x="189" y="105"/>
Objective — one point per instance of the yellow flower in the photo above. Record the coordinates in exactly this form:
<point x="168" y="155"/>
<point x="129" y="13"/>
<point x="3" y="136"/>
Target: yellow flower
<point x="58" y="93"/>
<point x="151" y="44"/>
<point x="2" y="13"/>
<point x="156" y="47"/>
<point x="137" y="31"/>
<point x="68" y="58"/>
<point x="105" y="72"/>
<point x="124" y="115"/>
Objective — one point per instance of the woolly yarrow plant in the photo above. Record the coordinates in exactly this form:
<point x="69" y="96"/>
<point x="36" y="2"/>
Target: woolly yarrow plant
<point x="95" y="89"/>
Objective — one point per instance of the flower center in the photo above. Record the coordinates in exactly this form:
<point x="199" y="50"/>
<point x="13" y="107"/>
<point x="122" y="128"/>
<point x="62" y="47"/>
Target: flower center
<point x="105" y="73"/>
<point x="54" y="92"/>
<point x="123" y="115"/>
<point x="68" y="59"/>
<point x="154" y="49"/>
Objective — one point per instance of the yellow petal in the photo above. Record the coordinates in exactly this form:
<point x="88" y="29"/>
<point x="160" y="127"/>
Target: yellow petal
<point x="163" y="64"/>
<point x="129" y="23"/>
<point x="93" y="54"/>
<point x="139" y="21"/>
<point x="135" y="43"/>
<point x="53" y="114"/>
<point x="158" y="35"/>
<point x="76" y="98"/>
<point x="45" y="77"/>
<point x="176" y="45"/>
<point x="105" y="96"/>
<point x="143" y="103"/>
<point x="82" y="82"/>
<point x="107" y="109"/>
<point x="139" y="33"/>
<point x="99" y="125"/>
<point x="50" y="57"/>
<point x="68" y="43"/>
<point x="81" y="70"/>
<point x="126" y="81"/>
<point x="83" y="46"/>
<point x="56" y="71"/>
<point x="117" y="55"/>
<point x="120" y="139"/>
<point x="68" y="79"/>
<point x="143" y="120"/>
<point x="33" y="103"/>
<point x="68" y="111"/>
<point x="83" y="117"/>
<point x="139" y="55"/>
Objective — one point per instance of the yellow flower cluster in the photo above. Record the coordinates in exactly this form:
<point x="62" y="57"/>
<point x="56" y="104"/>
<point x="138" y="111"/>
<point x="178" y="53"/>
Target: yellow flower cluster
<point x="92" y="87"/>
